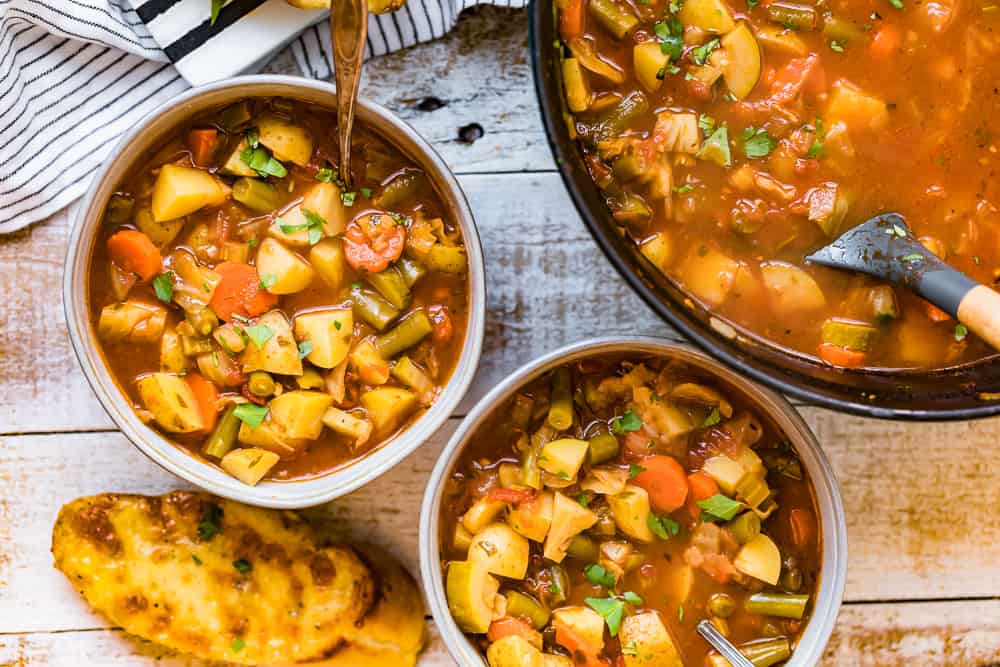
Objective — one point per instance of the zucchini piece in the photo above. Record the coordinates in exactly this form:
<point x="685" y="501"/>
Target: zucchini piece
<point x="760" y="559"/>
<point x="525" y="606"/>
<point x="578" y="93"/>
<point x="471" y="593"/>
<point x="851" y="335"/>
<point x="885" y="306"/>
<point x="792" y="289"/>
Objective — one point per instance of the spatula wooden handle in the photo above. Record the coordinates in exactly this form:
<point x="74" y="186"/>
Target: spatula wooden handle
<point x="980" y="311"/>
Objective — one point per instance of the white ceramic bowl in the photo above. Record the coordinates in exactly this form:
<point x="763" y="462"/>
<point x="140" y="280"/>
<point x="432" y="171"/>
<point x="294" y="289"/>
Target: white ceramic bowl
<point x="133" y="146"/>
<point x="833" y="571"/>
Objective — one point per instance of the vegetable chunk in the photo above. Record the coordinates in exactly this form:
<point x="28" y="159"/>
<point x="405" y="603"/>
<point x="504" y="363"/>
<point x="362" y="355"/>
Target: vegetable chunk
<point x="180" y="191"/>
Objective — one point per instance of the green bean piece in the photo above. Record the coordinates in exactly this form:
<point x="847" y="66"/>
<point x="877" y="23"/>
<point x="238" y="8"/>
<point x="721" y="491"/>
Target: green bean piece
<point x="777" y="604"/>
<point x="745" y="527"/>
<point x="378" y="165"/>
<point x="235" y="115"/>
<point x="885" y="307"/>
<point x="792" y="15"/>
<point x="603" y="447"/>
<point x="633" y="210"/>
<point x="223" y="437"/>
<point x="256" y="195"/>
<point x="766" y="652"/>
<point x="119" y="209"/>
<point x="202" y="320"/>
<point x="410" y="270"/>
<point x="561" y="404"/>
<point x="261" y="384"/>
<point x="791" y="579"/>
<point x="614" y="121"/>
<point x="616" y="19"/>
<point x="629" y="167"/>
<point x="447" y="259"/>
<point x="583" y="548"/>
<point x="558" y="582"/>
<point x="840" y="30"/>
<point x="372" y="308"/>
<point x="525" y="606"/>
<point x="722" y="605"/>
<point x="411" y="330"/>
<point x="392" y="287"/>
<point x="405" y="186"/>
<point x="521" y="411"/>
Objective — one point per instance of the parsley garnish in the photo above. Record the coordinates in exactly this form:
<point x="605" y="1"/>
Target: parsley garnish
<point x="250" y="414"/>
<point x="242" y="566"/>
<point x="326" y="175"/>
<point x="366" y="193"/>
<point x="633" y="599"/>
<point x="314" y="224"/>
<point x="163" y="285"/>
<point x="347" y="198"/>
<point x="758" y="143"/>
<point x="267" y="280"/>
<point x="897" y="4"/>
<point x="701" y="53"/>
<point x="716" y="148"/>
<point x="627" y="422"/>
<point x="816" y="148"/>
<point x="663" y="526"/>
<point x="961" y="331"/>
<point x="836" y="46"/>
<point x="305" y="348"/>
<point x="582" y="499"/>
<point x="684" y="189"/>
<point x="197" y="561"/>
<point x="261" y="161"/>
<point x="634" y="470"/>
<point x="706" y="124"/>
<point x="719" y="508"/>
<point x="259" y="334"/>
<point x="670" y="32"/>
<point x="211" y="523"/>
<point x="599" y="575"/>
<point x="611" y="609"/>
<point x="713" y="418"/>
<point x="915" y="257"/>
<point x="238" y="645"/>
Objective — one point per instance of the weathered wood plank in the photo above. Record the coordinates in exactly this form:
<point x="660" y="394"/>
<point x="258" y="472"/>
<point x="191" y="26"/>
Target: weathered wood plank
<point x="906" y="542"/>
<point x="482" y="72"/>
<point x="935" y="634"/>
<point x="548" y="285"/>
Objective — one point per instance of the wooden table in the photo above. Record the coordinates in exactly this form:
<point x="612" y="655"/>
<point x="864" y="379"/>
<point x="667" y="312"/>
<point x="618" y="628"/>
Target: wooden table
<point x="922" y="499"/>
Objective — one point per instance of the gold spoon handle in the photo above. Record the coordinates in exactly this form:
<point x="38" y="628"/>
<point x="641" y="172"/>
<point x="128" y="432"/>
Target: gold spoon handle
<point x="348" y="32"/>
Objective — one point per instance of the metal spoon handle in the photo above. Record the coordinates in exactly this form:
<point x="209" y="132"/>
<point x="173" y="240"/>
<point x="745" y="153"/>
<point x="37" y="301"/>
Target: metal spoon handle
<point x="348" y="32"/>
<point x="722" y="645"/>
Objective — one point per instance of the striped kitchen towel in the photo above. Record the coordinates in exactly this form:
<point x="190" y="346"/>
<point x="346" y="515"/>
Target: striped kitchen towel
<point x="74" y="74"/>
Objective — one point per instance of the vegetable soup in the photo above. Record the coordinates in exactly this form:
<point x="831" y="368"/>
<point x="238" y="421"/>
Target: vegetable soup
<point x="262" y="315"/>
<point x="611" y="505"/>
<point x="731" y="138"/>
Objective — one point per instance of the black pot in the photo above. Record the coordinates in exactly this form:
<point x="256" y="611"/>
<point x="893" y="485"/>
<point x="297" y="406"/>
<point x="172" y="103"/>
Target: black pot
<point x="955" y="393"/>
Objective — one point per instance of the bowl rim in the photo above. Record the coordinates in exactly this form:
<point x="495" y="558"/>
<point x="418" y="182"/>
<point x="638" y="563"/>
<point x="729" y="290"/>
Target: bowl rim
<point x="699" y="333"/>
<point x="833" y="572"/>
<point x="177" y="460"/>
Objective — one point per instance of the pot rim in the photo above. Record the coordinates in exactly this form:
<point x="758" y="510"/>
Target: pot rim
<point x="132" y="146"/>
<point x="833" y="572"/>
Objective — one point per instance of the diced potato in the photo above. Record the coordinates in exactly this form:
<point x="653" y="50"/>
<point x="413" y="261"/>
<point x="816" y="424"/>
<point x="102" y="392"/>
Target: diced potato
<point x="709" y="275"/>
<point x="859" y="110"/>
<point x="134" y="321"/>
<point x="369" y="364"/>
<point x="563" y="457"/>
<point x="740" y="61"/>
<point x="172" y="357"/>
<point x="161" y="233"/>
<point x="631" y="511"/>
<point x="324" y="200"/>
<point x="646" y="634"/>
<point x="249" y="465"/>
<point x="760" y="558"/>
<point x="513" y="651"/>
<point x="650" y="63"/>
<point x="471" y="593"/>
<point x="327" y="257"/>
<point x="584" y="622"/>
<point x="578" y="94"/>
<point x="569" y="518"/>
<point x="782" y="40"/>
<point x="180" y="191"/>
<point x="291" y="273"/>
<point x="533" y="519"/>
<point x="727" y="472"/>
<point x="329" y="332"/>
<point x="482" y="513"/>
<point x="268" y="436"/>
<point x="709" y="15"/>
<point x="280" y="354"/>
<point x="388" y="407"/>
<point x="220" y="368"/>
<point x="171" y="401"/>
<point x="501" y="551"/>
<point x="791" y="289"/>
<point x="462" y="539"/>
<point x="411" y="375"/>
<point x="299" y="414"/>
<point x="658" y="250"/>
<point x="288" y="142"/>
<point x="234" y="165"/>
<point x="348" y="424"/>
<point x="229" y="339"/>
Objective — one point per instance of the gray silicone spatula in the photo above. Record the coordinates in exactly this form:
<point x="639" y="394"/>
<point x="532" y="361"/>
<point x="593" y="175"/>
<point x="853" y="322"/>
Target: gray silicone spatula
<point x="348" y="32"/>
<point x="719" y="642"/>
<point x="885" y="247"/>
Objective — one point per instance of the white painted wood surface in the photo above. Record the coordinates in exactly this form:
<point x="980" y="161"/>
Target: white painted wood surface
<point x="924" y="580"/>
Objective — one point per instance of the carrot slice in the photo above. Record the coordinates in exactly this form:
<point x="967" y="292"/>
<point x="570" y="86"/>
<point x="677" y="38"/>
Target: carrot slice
<point x="885" y="42"/>
<point x="934" y="313"/>
<point x="202" y="142"/>
<point x="506" y="626"/>
<point x="514" y="496"/>
<point x="571" y="15"/>
<point x="803" y="527"/>
<point x="208" y="396"/>
<point x="373" y="255"/>
<point x="133" y="252"/>
<point x="701" y="486"/>
<point x="239" y="292"/>
<point x="583" y="653"/>
<point x="665" y="480"/>
<point x="841" y="356"/>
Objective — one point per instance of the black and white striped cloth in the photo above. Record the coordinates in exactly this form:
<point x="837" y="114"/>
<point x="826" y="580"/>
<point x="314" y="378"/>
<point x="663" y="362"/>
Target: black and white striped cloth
<point x="74" y="74"/>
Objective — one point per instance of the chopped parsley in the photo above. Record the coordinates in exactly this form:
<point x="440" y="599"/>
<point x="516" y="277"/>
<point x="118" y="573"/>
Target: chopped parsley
<point x="366" y="193"/>
<point x="630" y="649"/>
<point x="716" y="148"/>
<point x="163" y="285"/>
<point x="663" y="526"/>
<point x="211" y="523"/>
<point x="627" y="422"/>
<point x="197" y="561"/>
<point x="347" y="198"/>
<point x="267" y="280"/>
<point x="260" y="160"/>
<point x="314" y="225"/>
<point x="961" y="331"/>
<point x="305" y="349"/>
<point x="634" y="470"/>
<point x="713" y="418"/>
<point x="599" y="575"/>
<point x="757" y="143"/>
<point x="706" y="124"/>
<point x="836" y="46"/>
<point x="612" y="609"/>
<point x="701" y="53"/>
<point x="914" y="257"/>
<point x="684" y="189"/>
<point x="326" y="175"/>
<point x="242" y="566"/>
<point x="670" y="32"/>
<point x="816" y="148"/>
<point x="896" y="4"/>
<point x="238" y="645"/>
<point x="719" y="508"/>
<point x="582" y="499"/>
<point x="259" y="334"/>
<point x="632" y="598"/>
<point x="251" y="414"/>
